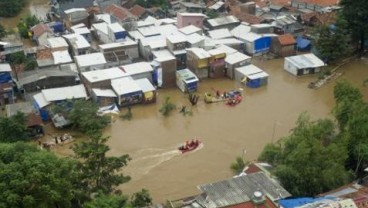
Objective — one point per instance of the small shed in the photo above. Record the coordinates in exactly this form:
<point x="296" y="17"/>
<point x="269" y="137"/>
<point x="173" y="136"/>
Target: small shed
<point x="197" y="61"/>
<point x="216" y="63"/>
<point x="186" y="80"/>
<point x="255" y="43"/>
<point x="283" y="45"/>
<point x="303" y="64"/>
<point x="103" y="97"/>
<point x="251" y="76"/>
<point x="164" y="65"/>
<point x="235" y="60"/>
<point x="149" y="91"/>
<point x="127" y="90"/>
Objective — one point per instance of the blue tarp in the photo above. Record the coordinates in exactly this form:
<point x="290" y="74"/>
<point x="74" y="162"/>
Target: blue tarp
<point x="262" y="44"/>
<point x="254" y="83"/>
<point x="58" y="27"/>
<point x="120" y="35"/>
<point x="303" y="44"/>
<point x="5" y="77"/>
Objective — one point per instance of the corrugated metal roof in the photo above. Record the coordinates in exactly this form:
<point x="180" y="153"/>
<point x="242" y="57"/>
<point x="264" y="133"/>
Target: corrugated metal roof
<point x="137" y="68"/>
<point x="77" y="41"/>
<point x="103" y="92"/>
<point x="305" y="61"/>
<point x="220" y="34"/>
<point x="91" y="59"/>
<point x="240" y="189"/>
<point x="223" y="21"/>
<point x="125" y="85"/>
<point x="57" y="42"/>
<point x="163" y="55"/>
<point x="236" y="58"/>
<point x="40" y="100"/>
<point x="187" y="30"/>
<point x="195" y="38"/>
<point x="228" y="50"/>
<point x="61" y="57"/>
<point x="64" y="93"/>
<point x="116" y="27"/>
<point x="145" y="85"/>
<point x="176" y="38"/>
<point x="199" y="52"/>
<point x="104" y="74"/>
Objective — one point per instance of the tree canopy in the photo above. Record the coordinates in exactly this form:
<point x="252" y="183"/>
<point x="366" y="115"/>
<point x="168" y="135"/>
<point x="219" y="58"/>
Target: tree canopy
<point x="310" y="160"/>
<point x="34" y="178"/>
<point x="13" y="129"/>
<point x="355" y="12"/>
<point x="2" y="31"/>
<point x="11" y="8"/>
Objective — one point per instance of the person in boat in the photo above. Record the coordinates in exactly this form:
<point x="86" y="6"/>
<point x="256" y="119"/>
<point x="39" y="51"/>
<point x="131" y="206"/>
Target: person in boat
<point x="217" y="93"/>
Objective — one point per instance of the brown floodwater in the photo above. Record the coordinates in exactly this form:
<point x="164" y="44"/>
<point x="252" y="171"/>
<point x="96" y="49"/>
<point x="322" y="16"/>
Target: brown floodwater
<point x="34" y="7"/>
<point x="265" y="115"/>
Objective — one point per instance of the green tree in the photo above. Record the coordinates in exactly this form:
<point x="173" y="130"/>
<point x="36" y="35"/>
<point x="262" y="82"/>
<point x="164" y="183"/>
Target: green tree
<point x="31" y="20"/>
<point x="98" y="172"/>
<point x="2" y="31"/>
<point x="35" y="178"/>
<point x="355" y="12"/>
<point x="13" y="129"/>
<point x="11" y="8"/>
<point x="332" y="42"/>
<point x="141" y="199"/>
<point x="311" y="159"/>
<point x="83" y="116"/>
<point x="238" y="166"/>
<point x="107" y="201"/>
<point x="17" y="58"/>
<point x="167" y="107"/>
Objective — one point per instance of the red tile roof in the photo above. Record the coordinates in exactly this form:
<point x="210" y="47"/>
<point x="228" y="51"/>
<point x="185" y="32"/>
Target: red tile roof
<point x="6" y="87"/>
<point x="118" y="12"/>
<point x="40" y="29"/>
<point x="286" y="39"/>
<point x="252" y="168"/>
<point x="137" y="10"/>
<point x="244" y="17"/>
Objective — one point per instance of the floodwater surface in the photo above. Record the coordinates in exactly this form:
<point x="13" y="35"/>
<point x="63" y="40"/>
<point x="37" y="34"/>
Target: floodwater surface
<point x="39" y="8"/>
<point x="264" y="115"/>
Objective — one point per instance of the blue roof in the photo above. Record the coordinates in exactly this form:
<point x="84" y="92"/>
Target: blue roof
<point x="296" y="202"/>
<point x="302" y="43"/>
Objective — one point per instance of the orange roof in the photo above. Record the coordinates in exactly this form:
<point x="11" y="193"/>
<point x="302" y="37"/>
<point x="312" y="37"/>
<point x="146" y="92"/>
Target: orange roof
<point x="33" y="120"/>
<point x="118" y="12"/>
<point x="244" y="17"/>
<point x="286" y="39"/>
<point x="40" y="29"/>
<point x="137" y="10"/>
<point x="44" y="53"/>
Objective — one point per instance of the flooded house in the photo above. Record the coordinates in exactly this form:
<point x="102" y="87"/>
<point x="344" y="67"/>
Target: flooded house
<point x="78" y="45"/>
<point x="261" y="191"/>
<point x="101" y="79"/>
<point x="216" y="63"/>
<point x="149" y="91"/>
<point x="127" y="90"/>
<point x="197" y="62"/>
<point x="33" y="121"/>
<point x="89" y="62"/>
<point x="288" y="24"/>
<point x="256" y="43"/>
<point x="164" y="66"/>
<point x="235" y="60"/>
<point x="103" y="97"/>
<point x="303" y="64"/>
<point x="40" y="33"/>
<point x="44" y="100"/>
<point x="283" y="45"/>
<point x="251" y="76"/>
<point x="138" y="70"/>
<point x="186" y="81"/>
<point x="32" y="81"/>
<point x="176" y="45"/>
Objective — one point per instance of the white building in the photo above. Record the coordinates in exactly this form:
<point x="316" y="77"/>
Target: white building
<point x="303" y="64"/>
<point x="89" y="62"/>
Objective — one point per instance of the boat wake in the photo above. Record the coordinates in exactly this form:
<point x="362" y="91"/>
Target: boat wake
<point x="147" y="159"/>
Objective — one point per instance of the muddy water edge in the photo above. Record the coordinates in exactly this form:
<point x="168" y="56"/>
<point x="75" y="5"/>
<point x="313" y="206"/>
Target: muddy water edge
<point x="265" y="115"/>
<point x="33" y="7"/>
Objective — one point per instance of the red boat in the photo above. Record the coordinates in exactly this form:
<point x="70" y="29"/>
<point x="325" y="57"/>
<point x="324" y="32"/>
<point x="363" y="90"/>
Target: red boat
<point x="234" y="100"/>
<point x="189" y="146"/>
